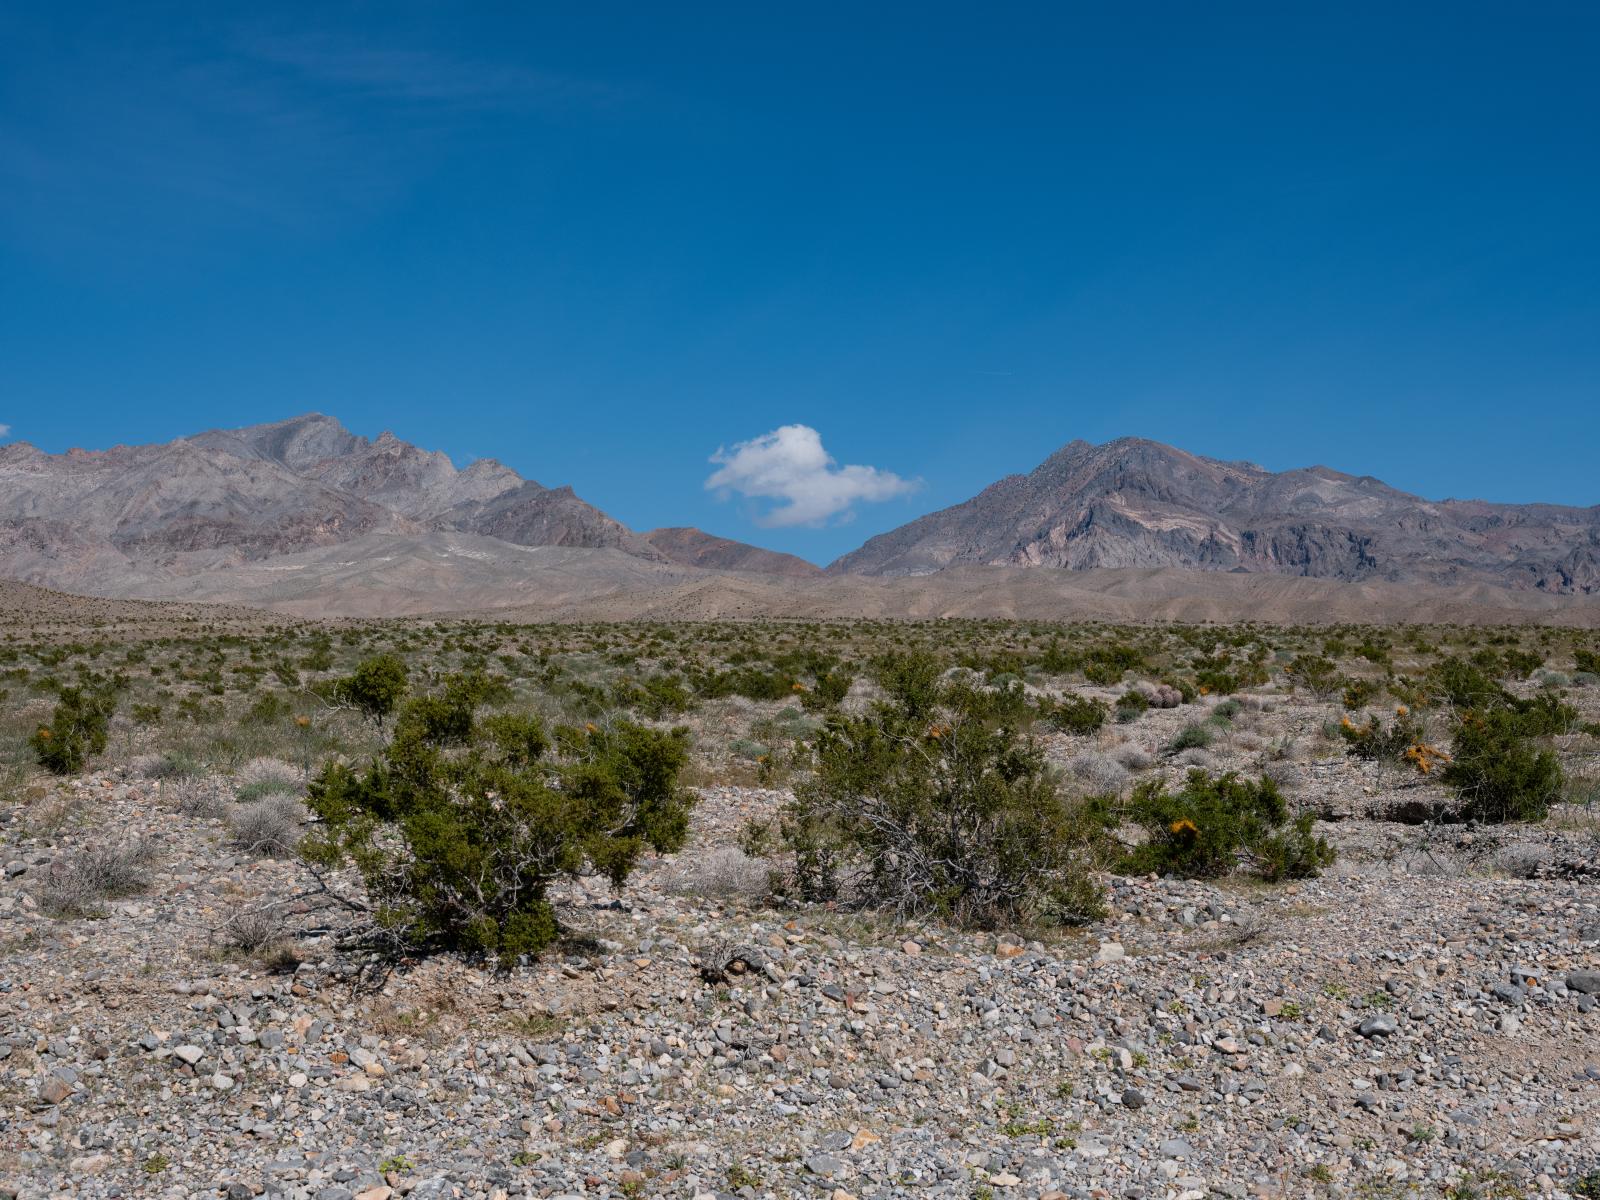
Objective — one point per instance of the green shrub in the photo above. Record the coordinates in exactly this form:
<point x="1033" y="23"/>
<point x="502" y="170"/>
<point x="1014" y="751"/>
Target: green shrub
<point x="827" y="692"/>
<point x="1545" y="715"/>
<point x="1317" y="675"/>
<point x="374" y="688"/>
<point x="1463" y="684"/>
<point x="750" y="749"/>
<point x="1213" y="681"/>
<point x="1497" y="768"/>
<point x="78" y="728"/>
<point x="657" y="697"/>
<point x="1195" y="736"/>
<point x="461" y="826"/>
<point x="1500" y="774"/>
<point x="1130" y="705"/>
<point x="1105" y="674"/>
<point x="1358" y="693"/>
<point x="933" y="802"/>
<point x="1216" y="825"/>
<point x="1379" y="743"/>
<point x="1073" y="714"/>
<point x="1519" y="664"/>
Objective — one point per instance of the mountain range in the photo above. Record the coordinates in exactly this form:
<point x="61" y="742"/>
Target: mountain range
<point x="123" y="520"/>
<point x="1138" y="503"/>
<point x="306" y="516"/>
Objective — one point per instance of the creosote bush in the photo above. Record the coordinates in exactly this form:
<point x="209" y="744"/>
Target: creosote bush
<point x="1215" y="825"/>
<point x="1079" y="715"/>
<point x="78" y="728"/>
<point x="1499" y="772"/>
<point x="1497" y="765"/>
<point x="462" y="824"/>
<point x="375" y="688"/>
<point x="933" y="802"/>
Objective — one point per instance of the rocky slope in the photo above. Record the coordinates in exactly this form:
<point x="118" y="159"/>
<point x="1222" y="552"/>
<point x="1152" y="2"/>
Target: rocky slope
<point x="131" y="519"/>
<point x="694" y="548"/>
<point x="1136" y="503"/>
<point x="1368" y="1034"/>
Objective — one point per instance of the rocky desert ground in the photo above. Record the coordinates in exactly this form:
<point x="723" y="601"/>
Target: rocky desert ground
<point x="182" y="1015"/>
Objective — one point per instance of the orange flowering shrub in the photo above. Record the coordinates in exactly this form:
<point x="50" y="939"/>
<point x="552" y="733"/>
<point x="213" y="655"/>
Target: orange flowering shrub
<point x="1425" y="757"/>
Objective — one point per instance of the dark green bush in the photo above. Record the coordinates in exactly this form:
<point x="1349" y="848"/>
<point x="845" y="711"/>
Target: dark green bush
<point x="1105" y="674"/>
<point x="78" y="728"/>
<point x="461" y="826"/>
<point x="1130" y="705"/>
<point x="933" y="802"/>
<point x="657" y="697"/>
<point x="374" y="688"/>
<point x="1319" y="676"/>
<point x="1195" y="736"/>
<point x="1214" y="681"/>
<point x="1519" y="664"/>
<point x="1217" y="824"/>
<point x="1358" y="693"/>
<point x="1072" y="714"/>
<point x="1501" y="774"/>
<point x="1497" y="768"/>
<point x="828" y="691"/>
<point x="1545" y="715"/>
<point x="1463" y="684"/>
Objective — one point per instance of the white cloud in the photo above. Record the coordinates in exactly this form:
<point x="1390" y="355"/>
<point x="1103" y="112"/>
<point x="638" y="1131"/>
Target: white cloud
<point x="5" y="430"/>
<point x="789" y="465"/>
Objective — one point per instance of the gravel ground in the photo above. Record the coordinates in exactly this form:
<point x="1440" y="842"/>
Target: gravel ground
<point x="1419" y="1022"/>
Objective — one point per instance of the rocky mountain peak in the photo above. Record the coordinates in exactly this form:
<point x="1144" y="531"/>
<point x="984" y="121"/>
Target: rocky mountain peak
<point x="1133" y="502"/>
<point x="102" y="521"/>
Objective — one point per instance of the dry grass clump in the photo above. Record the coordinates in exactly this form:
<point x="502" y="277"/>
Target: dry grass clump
<point x="199" y="796"/>
<point x="1282" y="773"/>
<point x="1133" y="756"/>
<point x="270" y="828"/>
<point x="724" y="872"/>
<point x="145" y="766"/>
<point x="252" y="930"/>
<point x="1100" y="773"/>
<point x="268" y="775"/>
<point x="1522" y="860"/>
<point x="79" y="884"/>
<point x="1194" y="756"/>
<point x="168" y="765"/>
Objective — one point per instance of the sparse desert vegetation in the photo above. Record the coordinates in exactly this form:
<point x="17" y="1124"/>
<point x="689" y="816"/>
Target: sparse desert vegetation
<point x="884" y="908"/>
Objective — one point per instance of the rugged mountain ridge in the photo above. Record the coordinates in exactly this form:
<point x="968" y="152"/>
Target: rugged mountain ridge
<point x="1138" y="503"/>
<point x="305" y="516"/>
<point x="121" y="521"/>
<point x="696" y="548"/>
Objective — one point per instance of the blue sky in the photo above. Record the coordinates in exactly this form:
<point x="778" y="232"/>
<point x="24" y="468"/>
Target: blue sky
<point x="602" y="242"/>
